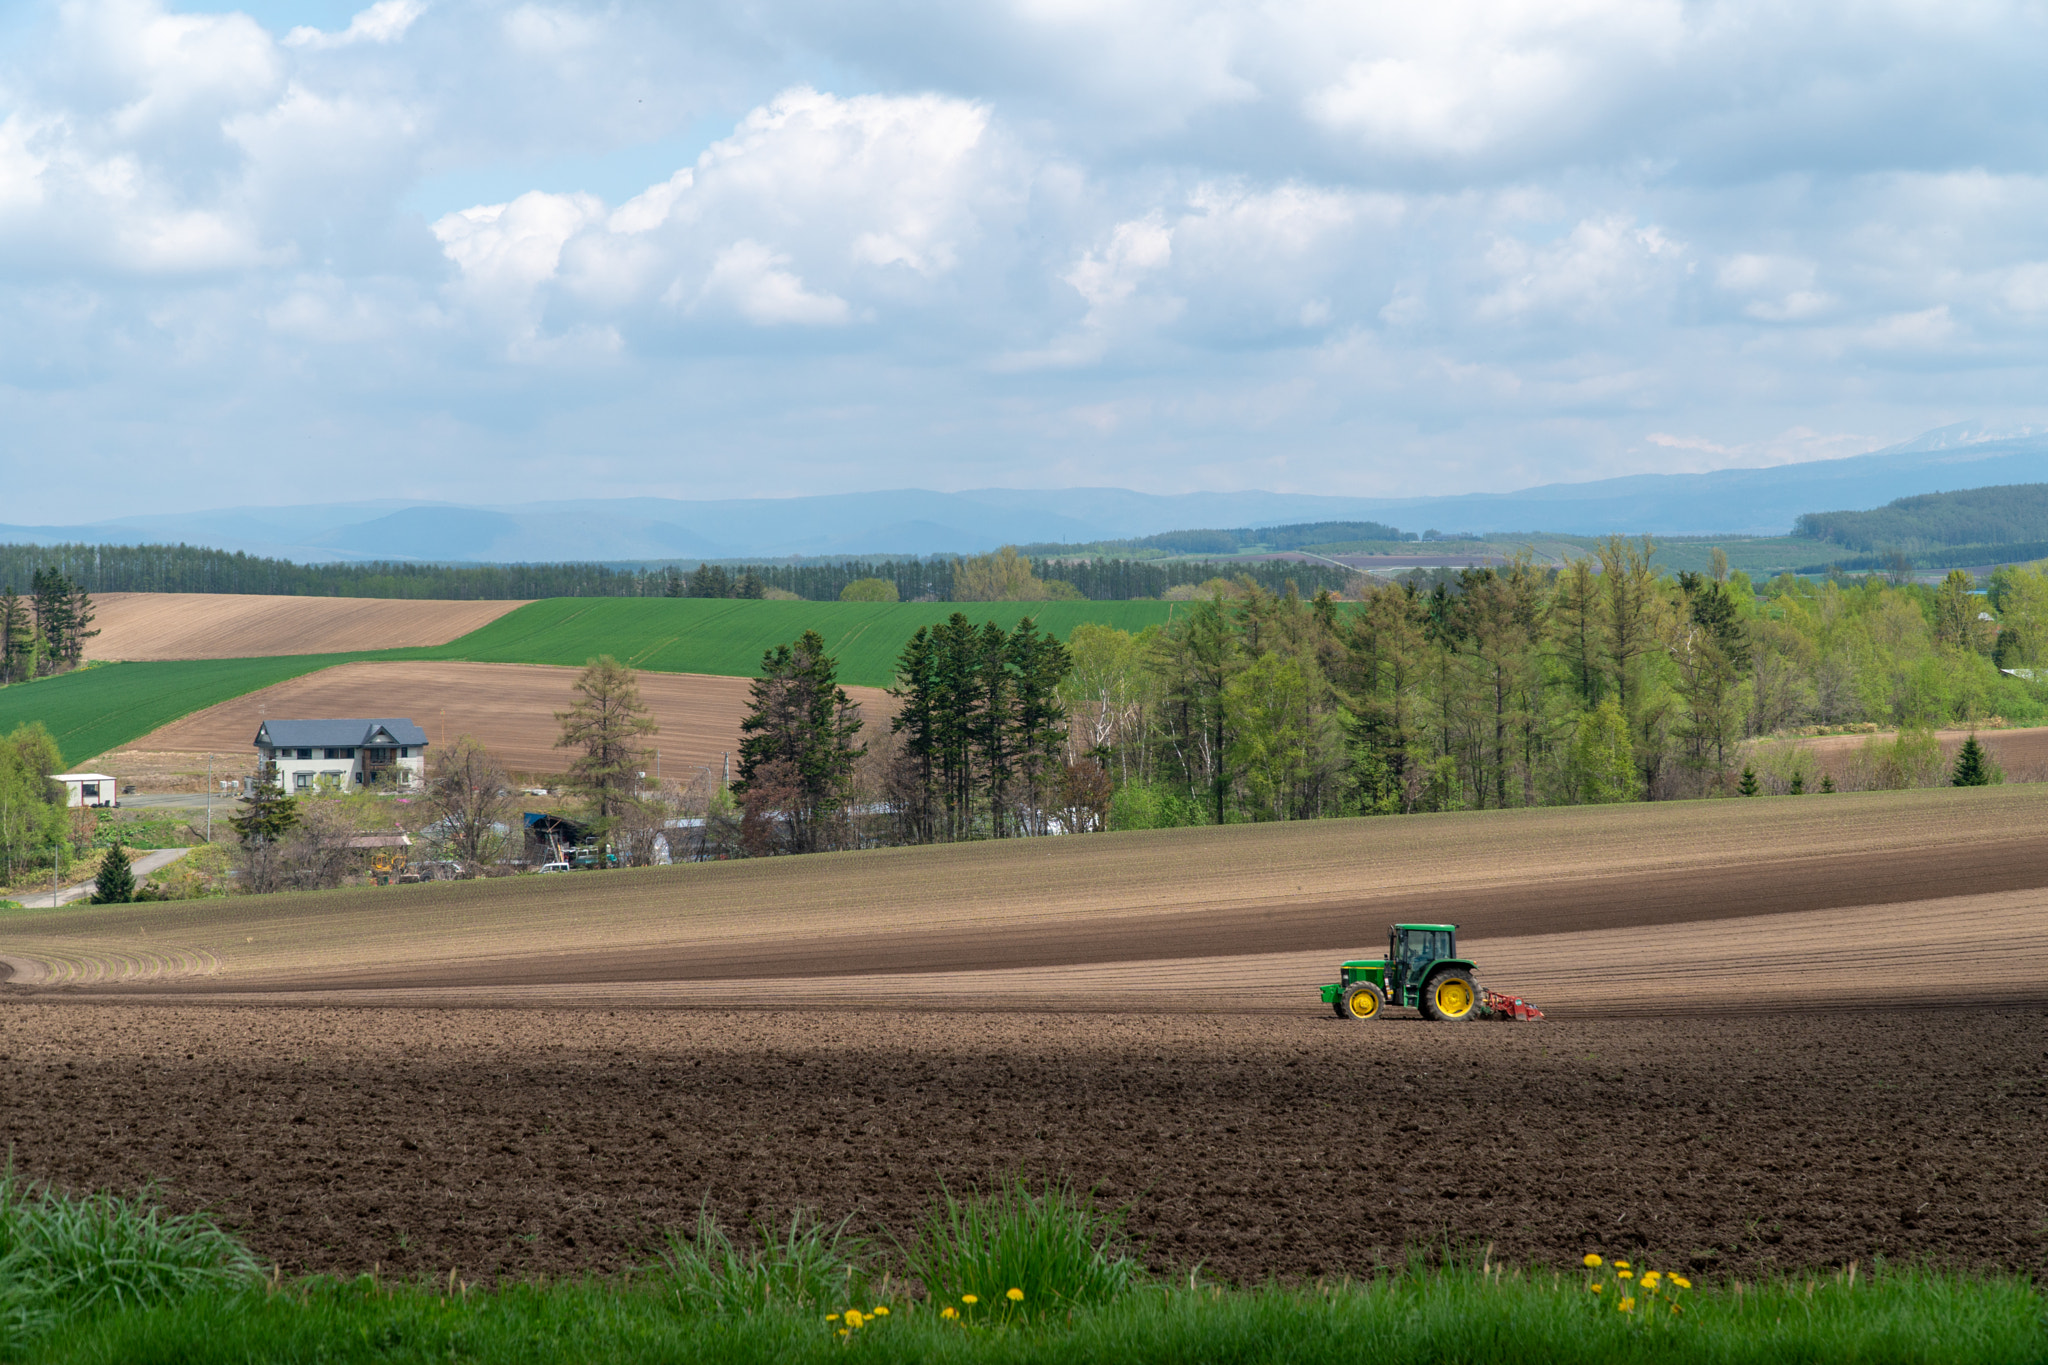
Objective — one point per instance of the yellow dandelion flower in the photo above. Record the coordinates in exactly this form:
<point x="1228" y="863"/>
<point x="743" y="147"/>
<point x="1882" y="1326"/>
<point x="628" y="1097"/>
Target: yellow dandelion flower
<point x="1015" y="1296"/>
<point x="842" y="1331"/>
<point x="1596" y="1288"/>
<point x="949" y="1311"/>
<point x="881" y="1311"/>
<point x="853" y="1317"/>
<point x="1624" y="1274"/>
<point x="1681" y="1281"/>
<point x="1627" y="1305"/>
<point x="831" y="1317"/>
<point x="1650" y="1279"/>
<point x="969" y="1298"/>
<point x="1621" y="1265"/>
<point x="1592" y="1261"/>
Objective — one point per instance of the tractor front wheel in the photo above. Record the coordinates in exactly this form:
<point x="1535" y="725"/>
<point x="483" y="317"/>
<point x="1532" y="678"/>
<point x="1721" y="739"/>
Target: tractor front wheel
<point x="1450" y="997"/>
<point x="1362" y="1001"/>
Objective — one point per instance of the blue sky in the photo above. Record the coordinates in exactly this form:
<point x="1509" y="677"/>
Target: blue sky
<point x="493" y="250"/>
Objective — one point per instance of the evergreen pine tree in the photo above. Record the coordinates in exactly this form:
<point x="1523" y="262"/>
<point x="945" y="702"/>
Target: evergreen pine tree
<point x="1749" y="786"/>
<point x="1827" y="782"/>
<point x="1798" y="787"/>
<point x="1973" y="768"/>
<point x="116" y="883"/>
<point x="17" y="633"/>
<point x="267" y="814"/>
<point x="799" y="740"/>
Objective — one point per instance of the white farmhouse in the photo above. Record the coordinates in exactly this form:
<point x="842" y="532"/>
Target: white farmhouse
<point x="343" y="754"/>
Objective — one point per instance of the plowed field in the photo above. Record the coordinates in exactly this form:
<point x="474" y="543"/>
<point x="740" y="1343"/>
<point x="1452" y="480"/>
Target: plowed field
<point x="510" y="707"/>
<point x="2023" y="753"/>
<point x="1784" y="1033"/>
<point x="191" y="625"/>
<point x="516" y="1142"/>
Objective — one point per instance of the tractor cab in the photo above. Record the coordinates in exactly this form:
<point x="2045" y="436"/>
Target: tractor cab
<point x="1421" y="971"/>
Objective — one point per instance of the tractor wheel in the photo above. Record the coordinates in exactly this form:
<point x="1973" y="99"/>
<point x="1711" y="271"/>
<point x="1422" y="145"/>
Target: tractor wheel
<point x="1362" y="1001"/>
<point x="1337" y="1008"/>
<point x="1450" y="997"/>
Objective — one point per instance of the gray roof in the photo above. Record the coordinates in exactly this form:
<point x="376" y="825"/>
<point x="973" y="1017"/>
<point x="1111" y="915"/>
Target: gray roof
<point x="338" y="734"/>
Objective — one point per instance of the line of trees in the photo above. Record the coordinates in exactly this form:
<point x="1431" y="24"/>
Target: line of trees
<point x="1604" y="681"/>
<point x="45" y="632"/>
<point x="186" y="568"/>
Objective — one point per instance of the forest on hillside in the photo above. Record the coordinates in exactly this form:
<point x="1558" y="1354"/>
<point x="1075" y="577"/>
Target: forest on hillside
<point x="1605" y="681"/>
<point x="2013" y="514"/>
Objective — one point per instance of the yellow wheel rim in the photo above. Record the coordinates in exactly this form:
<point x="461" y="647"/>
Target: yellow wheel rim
<point x="1454" y="998"/>
<point x="1364" y="1005"/>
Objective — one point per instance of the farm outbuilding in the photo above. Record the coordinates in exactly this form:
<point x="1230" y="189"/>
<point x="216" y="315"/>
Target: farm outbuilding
<point x="89" y="789"/>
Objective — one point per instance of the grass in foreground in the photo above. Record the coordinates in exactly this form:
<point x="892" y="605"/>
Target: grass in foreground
<point x="1019" y="1275"/>
<point x="1456" y="1315"/>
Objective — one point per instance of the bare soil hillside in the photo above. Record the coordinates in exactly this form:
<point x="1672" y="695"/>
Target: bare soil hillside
<point x="1918" y="897"/>
<point x="510" y="707"/>
<point x="190" y="625"/>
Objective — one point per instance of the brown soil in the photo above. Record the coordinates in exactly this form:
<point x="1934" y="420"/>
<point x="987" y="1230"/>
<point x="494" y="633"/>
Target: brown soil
<point x="170" y="771"/>
<point x="191" y="625"/>
<point x="509" y="707"/>
<point x="1327" y="887"/>
<point x="2021" y="752"/>
<point x="1757" y="1057"/>
<point x="533" y="1141"/>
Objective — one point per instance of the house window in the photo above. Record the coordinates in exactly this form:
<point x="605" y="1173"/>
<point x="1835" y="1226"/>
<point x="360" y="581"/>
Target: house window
<point x="404" y="751"/>
<point x="302" y="781"/>
<point x="380" y="755"/>
<point x="305" y="753"/>
<point x="89" y="790"/>
<point x="341" y="753"/>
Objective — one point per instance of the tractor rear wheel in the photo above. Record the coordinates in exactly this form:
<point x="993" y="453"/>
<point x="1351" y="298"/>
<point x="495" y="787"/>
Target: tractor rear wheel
<point x="1362" y="1001"/>
<point x="1450" y="997"/>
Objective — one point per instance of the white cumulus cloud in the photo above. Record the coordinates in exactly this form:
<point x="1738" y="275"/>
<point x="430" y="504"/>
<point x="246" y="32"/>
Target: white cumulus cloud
<point x="384" y="22"/>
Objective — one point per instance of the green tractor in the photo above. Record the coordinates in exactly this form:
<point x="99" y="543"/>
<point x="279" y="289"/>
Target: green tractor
<point x="1422" y="971"/>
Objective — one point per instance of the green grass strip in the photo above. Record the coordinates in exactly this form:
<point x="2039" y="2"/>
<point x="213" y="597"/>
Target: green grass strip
<point x="726" y="637"/>
<point x="1898" y="1319"/>
<point x="99" y="709"/>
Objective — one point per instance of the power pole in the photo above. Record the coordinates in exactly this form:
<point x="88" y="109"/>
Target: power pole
<point x="209" y="798"/>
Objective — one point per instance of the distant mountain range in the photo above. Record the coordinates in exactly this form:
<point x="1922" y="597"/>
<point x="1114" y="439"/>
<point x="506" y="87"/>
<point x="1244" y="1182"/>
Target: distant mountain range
<point x="915" y="521"/>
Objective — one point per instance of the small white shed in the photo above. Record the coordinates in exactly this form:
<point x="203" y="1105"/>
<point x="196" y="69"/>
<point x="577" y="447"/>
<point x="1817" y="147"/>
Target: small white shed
<point x="90" y="789"/>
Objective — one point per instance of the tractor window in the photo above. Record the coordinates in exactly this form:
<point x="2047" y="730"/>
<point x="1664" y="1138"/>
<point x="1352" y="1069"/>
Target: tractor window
<point x="1423" y="947"/>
